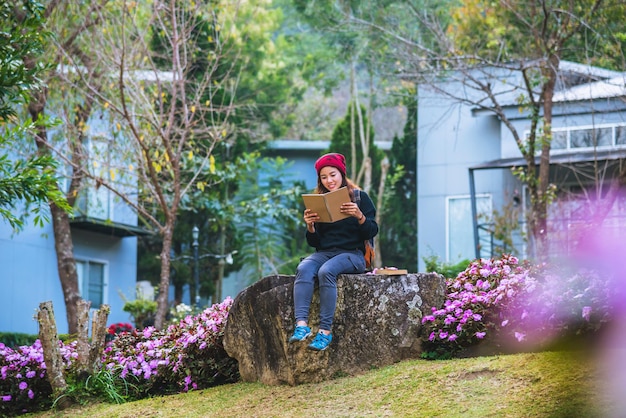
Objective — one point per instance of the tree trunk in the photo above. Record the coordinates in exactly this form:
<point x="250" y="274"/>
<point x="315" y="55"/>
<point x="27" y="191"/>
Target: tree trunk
<point x="98" y="337"/>
<point x="66" y="264"/>
<point x="384" y="168"/>
<point x="63" y="244"/>
<point x="353" y="155"/>
<point x="164" y="284"/>
<point x="540" y="231"/>
<point x="82" y="343"/>
<point x="52" y="353"/>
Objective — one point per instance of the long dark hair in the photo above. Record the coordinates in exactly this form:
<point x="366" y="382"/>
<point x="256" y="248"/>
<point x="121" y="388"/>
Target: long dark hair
<point x="320" y="189"/>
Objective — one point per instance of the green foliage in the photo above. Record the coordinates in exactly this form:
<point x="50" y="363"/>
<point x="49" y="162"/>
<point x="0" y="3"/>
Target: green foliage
<point x="589" y="34"/>
<point x="32" y="180"/>
<point x="260" y="218"/>
<point x="22" y="37"/>
<point x="398" y="234"/>
<point x="16" y="339"/>
<point x="142" y="311"/>
<point x="269" y="226"/>
<point x="448" y="270"/>
<point x="101" y="386"/>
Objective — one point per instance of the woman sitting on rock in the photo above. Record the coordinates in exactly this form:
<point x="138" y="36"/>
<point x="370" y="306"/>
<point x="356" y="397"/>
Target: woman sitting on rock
<point x="339" y="248"/>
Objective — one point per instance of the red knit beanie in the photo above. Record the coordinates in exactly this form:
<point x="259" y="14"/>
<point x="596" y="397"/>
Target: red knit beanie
<point x="331" y="160"/>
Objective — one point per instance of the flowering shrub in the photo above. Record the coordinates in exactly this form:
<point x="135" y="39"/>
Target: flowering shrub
<point x="23" y="384"/>
<point x="559" y="304"/>
<point x="471" y="298"/>
<point x="188" y="355"/>
<point x="509" y="303"/>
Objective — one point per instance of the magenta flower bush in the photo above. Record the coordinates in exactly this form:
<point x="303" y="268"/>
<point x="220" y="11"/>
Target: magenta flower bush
<point x="23" y="384"/>
<point x="472" y="297"/>
<point x="515" y="306"/>
<point x="559" y="304"/>
<point x="188" y="355"/>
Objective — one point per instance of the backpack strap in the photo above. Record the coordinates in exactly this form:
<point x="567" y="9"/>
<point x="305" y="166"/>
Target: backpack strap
<point x="357" y="200"/>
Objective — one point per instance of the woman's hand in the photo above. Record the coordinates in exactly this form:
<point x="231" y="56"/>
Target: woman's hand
<point x="353" y="210"/>
<point x="310" y="218"/>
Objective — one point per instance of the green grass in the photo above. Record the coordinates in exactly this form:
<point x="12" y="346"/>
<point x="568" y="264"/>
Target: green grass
<point x="547" y="384"/>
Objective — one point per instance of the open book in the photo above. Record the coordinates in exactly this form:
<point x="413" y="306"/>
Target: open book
<point x="328" y="205"/>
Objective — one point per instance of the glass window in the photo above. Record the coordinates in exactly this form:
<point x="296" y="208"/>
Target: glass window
<point x="589" y="138"/>
<point x="91" y="282"/>
<point x="460" y="226"/>
<point x="620" y="135"/>
<point x="604" y="137"/>
<point x="580" y="139"/>
<point x="559" y="139"/>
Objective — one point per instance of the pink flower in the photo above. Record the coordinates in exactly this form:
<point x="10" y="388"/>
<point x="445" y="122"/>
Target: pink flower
<point x="586" y="312"/>
<point x="22" y="385"/>
<point x="520" y="336"/>
<point x="6" y="398"/>
<point x="480" y="335"/>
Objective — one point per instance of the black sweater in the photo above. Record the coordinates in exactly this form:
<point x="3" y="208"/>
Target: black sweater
<point x="346" y="234"/>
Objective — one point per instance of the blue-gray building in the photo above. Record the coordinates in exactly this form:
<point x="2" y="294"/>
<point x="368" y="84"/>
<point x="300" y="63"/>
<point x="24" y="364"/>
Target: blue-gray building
<point x="465" y="155"/>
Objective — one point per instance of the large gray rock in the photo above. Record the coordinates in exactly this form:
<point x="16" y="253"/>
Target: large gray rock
<point x="377" y="323"/>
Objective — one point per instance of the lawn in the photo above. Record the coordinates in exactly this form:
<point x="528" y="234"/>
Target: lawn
<point x="545" y="384"/>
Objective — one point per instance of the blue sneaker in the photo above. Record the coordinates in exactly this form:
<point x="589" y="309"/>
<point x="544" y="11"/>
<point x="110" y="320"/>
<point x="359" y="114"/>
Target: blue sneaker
<point x="301" y="333"/>
<point x="321" y="342"/>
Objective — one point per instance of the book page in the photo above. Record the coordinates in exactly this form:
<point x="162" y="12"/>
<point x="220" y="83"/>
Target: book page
<point x="328" y="205"/>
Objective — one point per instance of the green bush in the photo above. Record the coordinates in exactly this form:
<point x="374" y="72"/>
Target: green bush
<point x="448" y="270"/>
<point x="142" y="311"/>
<point x="17" y="339"/>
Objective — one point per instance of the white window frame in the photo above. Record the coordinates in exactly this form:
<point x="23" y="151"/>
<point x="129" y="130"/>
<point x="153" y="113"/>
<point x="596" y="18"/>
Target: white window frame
<point x="568" y="130"/>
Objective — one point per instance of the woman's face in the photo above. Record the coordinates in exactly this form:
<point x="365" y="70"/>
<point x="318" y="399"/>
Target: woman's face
<point x="331" y="178"/>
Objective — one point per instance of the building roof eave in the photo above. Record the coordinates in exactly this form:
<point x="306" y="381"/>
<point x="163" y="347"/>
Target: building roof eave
<point x="556" y="159"/>
<point x="107" y="227"/>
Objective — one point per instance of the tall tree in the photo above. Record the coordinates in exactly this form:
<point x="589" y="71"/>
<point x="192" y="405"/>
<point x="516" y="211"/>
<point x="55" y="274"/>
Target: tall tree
<point x="170" y="104"/>
<point x="474" y="42"/>
<point x="266" y="74"/>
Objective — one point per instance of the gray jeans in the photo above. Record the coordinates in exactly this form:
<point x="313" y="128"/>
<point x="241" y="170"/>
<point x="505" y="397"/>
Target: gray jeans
<point x="323" y="266"/>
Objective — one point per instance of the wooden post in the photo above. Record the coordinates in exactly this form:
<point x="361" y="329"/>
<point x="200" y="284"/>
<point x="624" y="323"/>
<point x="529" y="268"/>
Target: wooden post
<point x="52" y="353"/>
<point x="98" y="337"/>
<point x="82" y="343"/>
